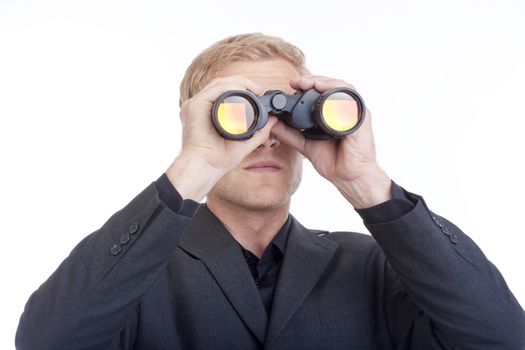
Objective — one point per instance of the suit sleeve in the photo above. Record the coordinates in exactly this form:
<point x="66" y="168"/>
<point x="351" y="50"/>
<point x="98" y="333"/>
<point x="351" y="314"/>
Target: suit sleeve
<point x="443" y="292"/>
<point x="92" y="296"/>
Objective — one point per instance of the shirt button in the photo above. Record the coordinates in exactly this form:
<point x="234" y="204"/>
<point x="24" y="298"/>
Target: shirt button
<point x="454" y="238"/>
<point x="133" y="228"/>
<point x="124" y="239"/>
<point x="116" y="249"/>
<point x="446" y="231"/>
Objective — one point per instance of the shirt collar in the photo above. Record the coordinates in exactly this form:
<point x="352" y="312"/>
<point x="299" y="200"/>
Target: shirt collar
<point x="278" y="243"/>
<point x="281" y="238"/>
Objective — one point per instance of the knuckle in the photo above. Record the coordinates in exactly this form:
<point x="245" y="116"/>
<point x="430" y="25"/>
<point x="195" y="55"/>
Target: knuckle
<point x="184" y="108"/>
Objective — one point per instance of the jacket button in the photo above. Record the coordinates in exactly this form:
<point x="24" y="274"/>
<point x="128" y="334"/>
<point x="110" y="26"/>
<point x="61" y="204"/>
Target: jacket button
<point x="454" y="238"/>
<point x="133" y="228"/>
<point x="116" y="249"/>
<point x="446" y="231"/>
<point x="124" y="239"/>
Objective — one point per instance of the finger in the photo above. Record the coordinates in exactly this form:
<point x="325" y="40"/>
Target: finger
<point x="306" y="82"/>
<point x="232" y="82"/>
<point x="261" y="135"/>
<point x="324" y="85"/>
<point x="200" y="105"/>
<point x="367" y="123"/>
<point x="312" y="77"/>
<point x="211" y="94"/>
<point x="318" y="82"/>
<point x="289" y="136"/>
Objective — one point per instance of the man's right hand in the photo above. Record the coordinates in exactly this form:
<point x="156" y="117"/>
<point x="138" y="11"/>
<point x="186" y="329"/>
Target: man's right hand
<point x="206" y="156"/>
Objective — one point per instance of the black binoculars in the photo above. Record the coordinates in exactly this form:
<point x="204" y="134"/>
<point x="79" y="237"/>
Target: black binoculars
<point x="237" y="114"/>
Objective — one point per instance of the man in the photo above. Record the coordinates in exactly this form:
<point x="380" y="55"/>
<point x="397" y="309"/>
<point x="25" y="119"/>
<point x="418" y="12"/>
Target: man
<point x="240" y="273"/>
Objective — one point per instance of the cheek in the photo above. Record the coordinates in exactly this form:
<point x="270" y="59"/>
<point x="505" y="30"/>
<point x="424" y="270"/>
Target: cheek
<point x="296" y="165"/>
<point x="229" y="180"/>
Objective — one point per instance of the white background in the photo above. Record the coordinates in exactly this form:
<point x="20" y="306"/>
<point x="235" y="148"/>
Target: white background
<point x="89" y="113"/>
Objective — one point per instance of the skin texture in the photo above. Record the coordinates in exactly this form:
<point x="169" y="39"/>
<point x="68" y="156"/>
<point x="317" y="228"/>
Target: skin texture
<point x="249" y="184"/>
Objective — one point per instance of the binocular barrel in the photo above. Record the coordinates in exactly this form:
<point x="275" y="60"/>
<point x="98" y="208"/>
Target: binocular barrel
<point x="237" y="114"/>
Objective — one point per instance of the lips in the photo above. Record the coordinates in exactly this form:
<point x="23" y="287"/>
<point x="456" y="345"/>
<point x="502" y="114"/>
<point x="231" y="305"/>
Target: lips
<point x="264" y="166"/>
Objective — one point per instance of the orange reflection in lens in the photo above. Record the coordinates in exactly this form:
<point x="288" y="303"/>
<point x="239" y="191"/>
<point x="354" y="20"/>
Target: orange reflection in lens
<point x="340" y="112"/>
<point x="235" y="115"/>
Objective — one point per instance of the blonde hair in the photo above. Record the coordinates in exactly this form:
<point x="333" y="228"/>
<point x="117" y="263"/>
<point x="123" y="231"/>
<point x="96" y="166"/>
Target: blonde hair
<point x="243" y="47"/>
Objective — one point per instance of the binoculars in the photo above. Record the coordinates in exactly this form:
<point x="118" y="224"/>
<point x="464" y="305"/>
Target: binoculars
<point x="238" y="114"/>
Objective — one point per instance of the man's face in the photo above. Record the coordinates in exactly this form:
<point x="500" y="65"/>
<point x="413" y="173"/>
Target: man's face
<point x="266" y="178"/>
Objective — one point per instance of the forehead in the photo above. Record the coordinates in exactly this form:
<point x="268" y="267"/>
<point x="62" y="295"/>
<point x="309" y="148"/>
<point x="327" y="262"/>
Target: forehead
<point x="271" y="74"/>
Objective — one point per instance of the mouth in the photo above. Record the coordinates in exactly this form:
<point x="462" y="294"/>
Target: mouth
<point x="265" y="166"/>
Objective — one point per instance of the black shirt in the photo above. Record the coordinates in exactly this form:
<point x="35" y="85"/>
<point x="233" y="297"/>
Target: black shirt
<point x="265" y="271"/>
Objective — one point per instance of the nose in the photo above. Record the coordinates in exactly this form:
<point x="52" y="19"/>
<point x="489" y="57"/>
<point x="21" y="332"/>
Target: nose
<point x="271" y="142"/>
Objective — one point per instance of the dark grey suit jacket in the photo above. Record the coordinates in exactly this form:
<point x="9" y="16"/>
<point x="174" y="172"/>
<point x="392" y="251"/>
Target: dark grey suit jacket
<point x="152" y="279"/>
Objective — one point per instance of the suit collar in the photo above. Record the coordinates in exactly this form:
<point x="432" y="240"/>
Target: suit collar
<point x="305" y="259"/>
<point x="281" y="238"/>
<point x="207" y="239"/>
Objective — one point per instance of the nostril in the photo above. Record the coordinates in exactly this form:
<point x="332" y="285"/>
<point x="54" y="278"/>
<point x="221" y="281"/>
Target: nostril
<point x="275" y="142"/>
<point x="270" y="142"/>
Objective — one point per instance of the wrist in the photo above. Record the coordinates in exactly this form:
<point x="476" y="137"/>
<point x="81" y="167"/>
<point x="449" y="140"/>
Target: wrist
<point x="192" y="176"/>
<point x="373" y="188"/>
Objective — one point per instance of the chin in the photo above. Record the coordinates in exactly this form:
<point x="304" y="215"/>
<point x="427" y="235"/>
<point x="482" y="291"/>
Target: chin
<point x="264" y="200"/>
<point x="258" y="199"/>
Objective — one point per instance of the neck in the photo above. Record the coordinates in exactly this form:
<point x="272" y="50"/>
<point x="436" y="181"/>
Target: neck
<point x="254" y="229"/>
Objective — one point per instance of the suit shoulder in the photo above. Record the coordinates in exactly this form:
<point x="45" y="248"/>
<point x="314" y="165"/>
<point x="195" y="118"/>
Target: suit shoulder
<point x="352" y="238"/>
<point x="345" y="239"/>
<point x="348" y="239"/>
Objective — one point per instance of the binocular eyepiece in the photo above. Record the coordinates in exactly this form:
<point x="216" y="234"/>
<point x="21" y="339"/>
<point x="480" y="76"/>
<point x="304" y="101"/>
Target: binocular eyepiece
<point x="238" y="114"/>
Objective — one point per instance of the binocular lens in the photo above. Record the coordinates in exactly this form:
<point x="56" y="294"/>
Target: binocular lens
<point x="236" y="115"/>
<point x="340" y="112"/>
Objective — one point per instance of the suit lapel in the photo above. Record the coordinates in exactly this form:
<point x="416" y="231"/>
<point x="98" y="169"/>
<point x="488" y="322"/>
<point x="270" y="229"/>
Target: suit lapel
<point x="207" y="239"/>
<point x="305" y="260"/>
